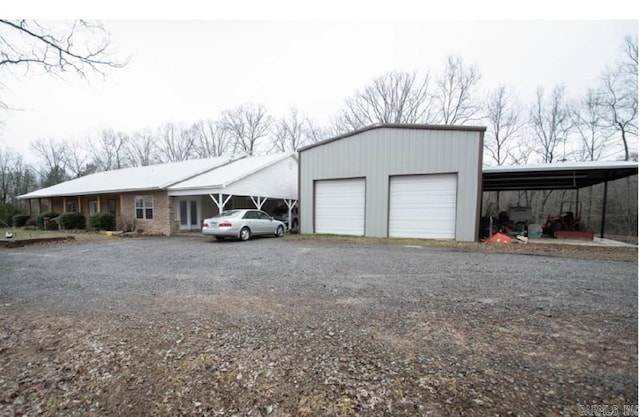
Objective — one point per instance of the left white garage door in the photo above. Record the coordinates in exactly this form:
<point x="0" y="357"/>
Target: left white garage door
<point x="339" y="206"/>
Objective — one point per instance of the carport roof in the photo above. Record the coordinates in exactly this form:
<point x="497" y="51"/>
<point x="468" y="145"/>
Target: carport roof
<point x="559" y="176"/>
<point x="224" y="176"/>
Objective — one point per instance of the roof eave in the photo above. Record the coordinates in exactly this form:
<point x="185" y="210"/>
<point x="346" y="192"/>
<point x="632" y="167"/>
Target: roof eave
<point x="394" y="126"/>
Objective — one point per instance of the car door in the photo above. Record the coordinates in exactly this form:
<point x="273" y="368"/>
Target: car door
<point x="250" y="219"/>
<point x="267" y="226"/>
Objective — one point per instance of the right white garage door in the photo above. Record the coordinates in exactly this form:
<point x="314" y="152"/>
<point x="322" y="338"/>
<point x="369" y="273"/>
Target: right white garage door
<point x="423" y="206"/>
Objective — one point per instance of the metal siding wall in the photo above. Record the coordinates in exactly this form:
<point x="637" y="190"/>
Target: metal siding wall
<point x="376" y="154"/>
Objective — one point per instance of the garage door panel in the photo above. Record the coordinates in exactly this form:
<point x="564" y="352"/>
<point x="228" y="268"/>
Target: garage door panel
<point x="339" y="206"/>
<point x="423" y="206"/>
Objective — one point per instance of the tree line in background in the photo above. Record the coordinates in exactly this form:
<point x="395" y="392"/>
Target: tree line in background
<point x="600" y="125"/>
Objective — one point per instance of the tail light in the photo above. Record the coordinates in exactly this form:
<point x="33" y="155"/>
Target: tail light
<point x="224" y="224"/>
<point x="205" y="224"/>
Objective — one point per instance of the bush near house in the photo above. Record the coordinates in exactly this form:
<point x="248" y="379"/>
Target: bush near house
<point x="73" y="221"/>
<point x="102" y="221"/>
<point x="19" y="220"/>
<point x="48" y="215"/>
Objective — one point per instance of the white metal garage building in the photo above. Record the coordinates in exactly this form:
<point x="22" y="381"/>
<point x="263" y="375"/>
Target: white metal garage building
<point x="391" y="180"/>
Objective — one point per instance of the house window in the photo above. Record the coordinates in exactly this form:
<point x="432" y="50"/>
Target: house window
<point x="93" y="207"/>
<point x="144" y="207"/>
<point x="111" y="207"/>
<point x="71" y="206"/>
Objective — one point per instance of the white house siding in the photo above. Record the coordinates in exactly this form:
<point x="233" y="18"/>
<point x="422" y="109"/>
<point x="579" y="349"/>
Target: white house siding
<point x="380" y="152"/>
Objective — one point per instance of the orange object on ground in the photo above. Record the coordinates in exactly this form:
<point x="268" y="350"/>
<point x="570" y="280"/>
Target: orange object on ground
<point x="500" y="238"/>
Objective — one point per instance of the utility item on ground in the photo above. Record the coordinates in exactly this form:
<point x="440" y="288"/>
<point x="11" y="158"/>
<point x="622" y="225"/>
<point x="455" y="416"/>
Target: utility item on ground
<point x="567" y="219"/>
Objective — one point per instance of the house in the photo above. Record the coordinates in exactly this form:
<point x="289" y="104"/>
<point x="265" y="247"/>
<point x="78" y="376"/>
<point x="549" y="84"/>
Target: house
<point x="394" y="180"/>
<point x="173" y="197"/>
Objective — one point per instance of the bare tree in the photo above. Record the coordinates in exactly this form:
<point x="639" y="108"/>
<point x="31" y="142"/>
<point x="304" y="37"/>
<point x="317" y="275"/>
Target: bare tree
<point x="77" y="158"/>
<point x="590" y="125"/>
<point x="294" y="131"/>
<point x="619" y="95"/>
<point x="503" y="115"/>
<point x="16" y="178"/>
<point x="550" y="123"/>
<point x="142" y="148"/>
<point x="6" y="160"/>
<point x="395" y="97"/>
<point x="78" y="46"/>
<point x="247" y="125"/>
<point x="176" y="143"/>
<point x="109" y="150"/>
<point x="53" y="154"/>
<point x="454" y="93"/>
<point x="212" y="139"/>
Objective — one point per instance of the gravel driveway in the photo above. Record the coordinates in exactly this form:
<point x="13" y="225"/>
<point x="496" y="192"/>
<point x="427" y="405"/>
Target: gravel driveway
<point x="279" y="327"/>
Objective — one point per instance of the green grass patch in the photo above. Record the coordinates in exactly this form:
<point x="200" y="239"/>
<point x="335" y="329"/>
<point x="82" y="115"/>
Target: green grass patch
<point x="568" y="250"/>
<point x="80" y="235"/>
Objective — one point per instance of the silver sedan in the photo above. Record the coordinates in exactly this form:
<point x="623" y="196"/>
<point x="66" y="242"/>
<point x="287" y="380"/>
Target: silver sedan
<point x="242" y="224"/>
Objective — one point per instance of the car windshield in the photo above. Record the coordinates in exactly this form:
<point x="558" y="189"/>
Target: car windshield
<point x="228" y="213"/>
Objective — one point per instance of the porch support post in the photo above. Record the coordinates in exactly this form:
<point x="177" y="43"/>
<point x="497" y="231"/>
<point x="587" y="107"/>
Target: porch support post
<point x="290" y="205"/>
<point x="259" y="203"/>
<point x="219" y="202"/>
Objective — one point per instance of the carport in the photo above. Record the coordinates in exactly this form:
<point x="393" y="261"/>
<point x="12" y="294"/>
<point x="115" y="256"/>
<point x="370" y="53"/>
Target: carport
<point x="259" y="178"/>
<point x="563" y="176"/>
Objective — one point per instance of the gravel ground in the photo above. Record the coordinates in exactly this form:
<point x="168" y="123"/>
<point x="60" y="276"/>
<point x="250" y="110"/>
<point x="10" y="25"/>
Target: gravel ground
<point x="285" y="327"/>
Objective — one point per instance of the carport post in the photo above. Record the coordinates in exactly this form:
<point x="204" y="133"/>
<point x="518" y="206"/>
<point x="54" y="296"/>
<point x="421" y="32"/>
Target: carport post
<point x="290" y="204"/>
<point x="219" y="201"/>
<point x="604" y="209"/>
<point x="258" y="203"/>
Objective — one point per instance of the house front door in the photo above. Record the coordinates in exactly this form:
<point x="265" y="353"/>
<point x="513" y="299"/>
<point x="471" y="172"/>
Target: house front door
<point x="188" y="213"/>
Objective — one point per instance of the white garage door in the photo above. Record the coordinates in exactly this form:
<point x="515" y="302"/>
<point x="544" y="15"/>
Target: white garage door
<point x="423" y="206"/>
<point x="339" y="206"/>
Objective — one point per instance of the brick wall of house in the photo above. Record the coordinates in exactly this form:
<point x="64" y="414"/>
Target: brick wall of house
<point x="164" y="217"/>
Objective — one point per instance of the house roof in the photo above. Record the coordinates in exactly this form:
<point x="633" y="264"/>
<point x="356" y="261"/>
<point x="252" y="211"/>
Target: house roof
<point x="181" y="178"/>
<point x="562" y="176"/>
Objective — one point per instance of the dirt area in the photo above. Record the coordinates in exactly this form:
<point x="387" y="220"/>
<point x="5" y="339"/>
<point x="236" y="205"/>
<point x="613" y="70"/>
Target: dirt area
<point x="300" y="327"/>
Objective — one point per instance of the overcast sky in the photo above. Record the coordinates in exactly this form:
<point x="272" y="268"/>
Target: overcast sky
<point x="186" y="70"/>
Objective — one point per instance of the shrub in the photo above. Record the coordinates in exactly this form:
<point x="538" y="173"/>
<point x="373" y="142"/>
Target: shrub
<point x="48" y="215"/>
<point x="102" y="221"/>
<point x="73" y="221"/>
<point x="19" y="220"/>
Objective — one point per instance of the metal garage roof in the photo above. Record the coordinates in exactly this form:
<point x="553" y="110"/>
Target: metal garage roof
<point x="559" y="176"/>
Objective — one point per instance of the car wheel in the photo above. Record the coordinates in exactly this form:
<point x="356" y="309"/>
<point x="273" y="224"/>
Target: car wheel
<point x="280" y="231"/>
<point x="245" y="233"/>
<point x="219" y="238"/>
